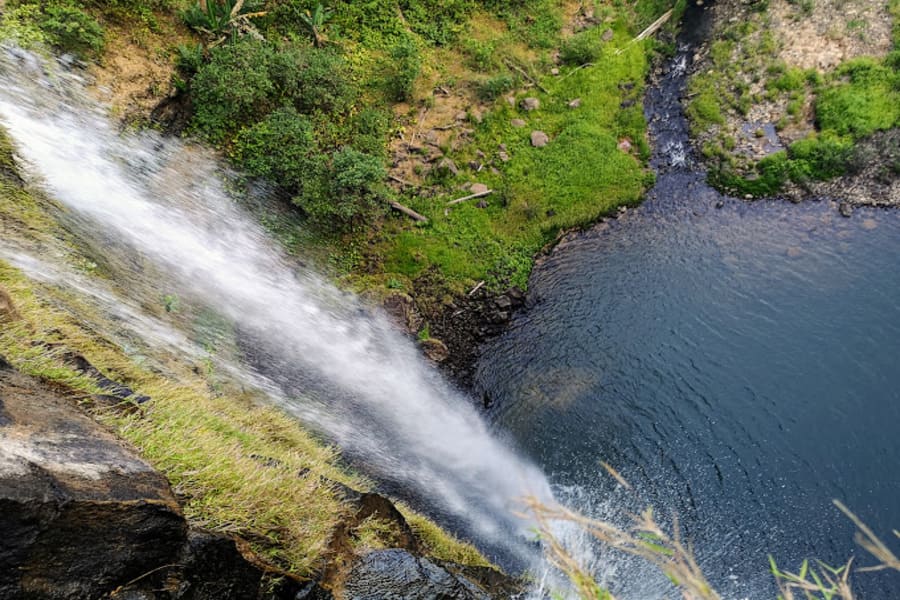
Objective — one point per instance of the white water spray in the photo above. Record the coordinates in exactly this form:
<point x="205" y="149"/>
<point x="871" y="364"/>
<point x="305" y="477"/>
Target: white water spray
<point x="373" y="394"/>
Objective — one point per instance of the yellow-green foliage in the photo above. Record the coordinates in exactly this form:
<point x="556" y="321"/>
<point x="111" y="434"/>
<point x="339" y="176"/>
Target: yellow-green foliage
<point x="440" y="544"/>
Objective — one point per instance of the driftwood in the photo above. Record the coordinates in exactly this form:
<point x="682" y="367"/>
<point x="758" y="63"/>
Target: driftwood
<point x="476" y="288"/>
<point x="522" y="72"/>
<point x="470" y="197"/>
<point x="654" y="26"/>
<point x="408" y="211"/>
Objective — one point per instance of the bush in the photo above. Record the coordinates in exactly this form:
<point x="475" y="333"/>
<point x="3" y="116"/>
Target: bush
<point x="867" y="102"/>
<point x="233" y="88"/>
<point x="72" y="30"/>
<point x="355" y="186"/>
<point x="438" y="21"/>
<point x="405" y="67"/>
<point x="311" y="79"/>
<point x="281" y="148"/>
<point x="491" y="88"/>
<point x="579" y="49"/>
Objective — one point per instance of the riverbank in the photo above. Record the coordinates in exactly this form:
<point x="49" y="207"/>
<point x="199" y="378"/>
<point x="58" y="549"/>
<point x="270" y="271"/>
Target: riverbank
<point x="799" y="99"/>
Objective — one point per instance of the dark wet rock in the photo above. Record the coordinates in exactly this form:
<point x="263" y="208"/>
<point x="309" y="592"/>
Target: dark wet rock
<point x="530" y="104"/>
<point x="398" y="575"/>
<point x="402" y="310"/>
<point x="846" y="209"/>
<point x="719" y="204"/>
<point x="482" y="204"/>
<point x="539" y="139"/>
<point x="475" y="165"/>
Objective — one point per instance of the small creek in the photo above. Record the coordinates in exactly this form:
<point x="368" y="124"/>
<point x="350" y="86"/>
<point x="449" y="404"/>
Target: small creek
<point x="738" y="363"/>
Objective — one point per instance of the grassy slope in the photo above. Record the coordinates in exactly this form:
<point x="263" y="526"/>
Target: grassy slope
<point x="240" y="466"/>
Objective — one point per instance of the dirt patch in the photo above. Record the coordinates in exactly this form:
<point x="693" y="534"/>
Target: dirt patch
<point x="136" y="72"/>
<point x="831" y="32"/>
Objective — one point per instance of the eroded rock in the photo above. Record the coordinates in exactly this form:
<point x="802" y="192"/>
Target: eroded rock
<point x="398" y="575"/>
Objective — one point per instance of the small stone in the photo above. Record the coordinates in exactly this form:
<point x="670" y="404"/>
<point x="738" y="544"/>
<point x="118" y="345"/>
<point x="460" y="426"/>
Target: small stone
<point x="495" y="171"/>
<point x="482" y="204"/>
<point x="461" y="116"/>
<point x="511" y="100"/>
<point x="480" y="154"/>
<point x="502" y="147"/>
<point x="475" y="165"/>
<point x="517" y="123"/>
<point x="794" y="251"/>
<point x="478" y="188"/>
<point x="448" y="165"/>
<point x="503" y="156"/>
<point x="748" y="196"/>
<point x="845" y="209"/>
<point x="575" y="103"/>
<point x="539" y="139"/>
<point x="554" y="71"/>
<point x="530" y="104"/>
<point x="720" y="204"/>
<point x="624" y="145"/>
<point x="607" y="35"/>
<point x="869" y="224"/>
<point x="502" y="302"/>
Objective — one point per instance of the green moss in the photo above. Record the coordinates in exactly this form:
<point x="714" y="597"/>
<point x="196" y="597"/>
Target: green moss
<point x="863" y="98"/>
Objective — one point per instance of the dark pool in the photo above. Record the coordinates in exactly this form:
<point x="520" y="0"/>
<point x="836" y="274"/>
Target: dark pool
<point x="739" y="365"/>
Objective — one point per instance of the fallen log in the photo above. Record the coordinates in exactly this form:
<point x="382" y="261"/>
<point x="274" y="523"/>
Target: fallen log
<point x="470" y="197"/>
<point x="408" y="211"/>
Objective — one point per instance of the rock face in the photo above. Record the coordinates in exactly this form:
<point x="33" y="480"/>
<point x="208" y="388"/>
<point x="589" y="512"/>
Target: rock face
<point x="398" y="575"/>
<point x="79" y="512"/>
<point x="82" y="517"/>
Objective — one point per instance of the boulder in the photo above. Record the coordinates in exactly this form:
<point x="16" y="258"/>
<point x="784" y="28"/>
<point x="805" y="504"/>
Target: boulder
<point x="530" y="104"/>
<point x="398" y="575"/>
<point x="80" y="513"/>
<point x="539" y="139"/>
<point x="8" y="311"/>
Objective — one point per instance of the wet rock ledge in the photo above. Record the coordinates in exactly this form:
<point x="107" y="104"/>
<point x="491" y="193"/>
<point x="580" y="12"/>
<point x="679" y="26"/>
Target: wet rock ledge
<point x="83" y="517"/>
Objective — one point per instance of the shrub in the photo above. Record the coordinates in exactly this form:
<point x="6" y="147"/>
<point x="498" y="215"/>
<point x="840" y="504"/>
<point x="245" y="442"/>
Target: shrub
<point x="311" y="79"/>
<point x="579" y="49"/>
<point x="281" y="147"/>
<point x="405" y="67"/>
<point x="868" y="101"/>
<point x="72" y="30"/>
<point x="491" y="88"/>
<point x="232" y="88"/>
<point x="355" y="185"/>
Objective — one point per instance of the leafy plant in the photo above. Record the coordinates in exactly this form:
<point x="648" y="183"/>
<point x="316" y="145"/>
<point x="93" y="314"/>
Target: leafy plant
<point x="213" y="17"/>
<point x="314" y="21"/>
<point x="72" y="30"/>
<point x="405" y="67"/>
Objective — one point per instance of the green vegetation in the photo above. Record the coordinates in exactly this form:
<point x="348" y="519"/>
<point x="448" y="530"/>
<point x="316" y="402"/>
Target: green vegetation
<point x="318" y="96"/>
<point x="858" y="98"/>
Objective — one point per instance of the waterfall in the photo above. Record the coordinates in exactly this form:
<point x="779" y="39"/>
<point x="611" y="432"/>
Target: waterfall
<point x="317" y="351"/>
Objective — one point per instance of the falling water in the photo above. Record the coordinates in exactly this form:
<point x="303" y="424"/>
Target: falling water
<point x="336" y="365"/>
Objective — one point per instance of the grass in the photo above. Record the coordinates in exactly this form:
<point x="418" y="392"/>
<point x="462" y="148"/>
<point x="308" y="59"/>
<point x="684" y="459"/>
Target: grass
<point x="579" y="176"/>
